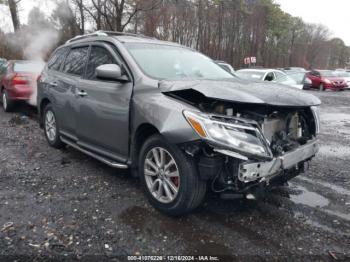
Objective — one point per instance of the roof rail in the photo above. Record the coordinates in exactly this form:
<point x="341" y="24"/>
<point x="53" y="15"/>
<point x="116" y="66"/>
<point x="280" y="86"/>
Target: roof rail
<point x="78" y="37"/>
<point x="106" y="33"/>
<point x="116" y="33"/>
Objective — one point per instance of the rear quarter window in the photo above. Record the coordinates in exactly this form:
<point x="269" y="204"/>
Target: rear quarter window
<point x="56" y="60"/>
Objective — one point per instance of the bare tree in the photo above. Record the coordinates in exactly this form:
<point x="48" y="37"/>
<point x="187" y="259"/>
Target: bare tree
<point x="13" y="6"/>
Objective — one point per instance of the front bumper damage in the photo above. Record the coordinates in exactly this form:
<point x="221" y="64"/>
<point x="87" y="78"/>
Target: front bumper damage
<point x="264" y="171"/>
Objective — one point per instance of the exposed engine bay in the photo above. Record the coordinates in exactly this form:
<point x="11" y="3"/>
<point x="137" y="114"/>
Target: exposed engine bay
<point x="287" y="134"/>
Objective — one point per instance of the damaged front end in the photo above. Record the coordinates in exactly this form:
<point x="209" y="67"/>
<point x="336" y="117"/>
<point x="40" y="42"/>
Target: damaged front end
<point x="245" y="146"/>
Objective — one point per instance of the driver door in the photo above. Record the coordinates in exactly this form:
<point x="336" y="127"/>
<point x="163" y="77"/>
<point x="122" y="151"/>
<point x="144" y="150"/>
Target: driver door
<point x="103" y="105"/>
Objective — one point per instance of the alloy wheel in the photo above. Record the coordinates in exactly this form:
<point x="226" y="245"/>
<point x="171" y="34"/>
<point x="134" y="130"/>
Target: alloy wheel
<point x="50" y="126"/>
<point x="161" y="175"/>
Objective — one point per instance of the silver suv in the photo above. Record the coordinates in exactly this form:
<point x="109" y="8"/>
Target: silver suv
<point x="175" y="118"/>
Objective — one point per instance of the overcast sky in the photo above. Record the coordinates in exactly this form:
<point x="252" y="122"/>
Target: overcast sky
<point x="335" y="14"/>
<point x="24" y="8"/>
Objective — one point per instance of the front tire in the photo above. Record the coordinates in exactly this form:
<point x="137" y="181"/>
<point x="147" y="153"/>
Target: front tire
<point x="51" y="128"/>
<point x="169" y="177"/>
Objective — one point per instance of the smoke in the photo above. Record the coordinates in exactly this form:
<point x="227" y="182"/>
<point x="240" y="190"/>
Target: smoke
<point x="40" y="44"/>
<point x="35" y="43"/>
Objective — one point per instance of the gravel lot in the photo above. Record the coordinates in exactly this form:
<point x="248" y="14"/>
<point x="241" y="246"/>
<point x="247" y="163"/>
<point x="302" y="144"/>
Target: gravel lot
<point x="61" y="204"/>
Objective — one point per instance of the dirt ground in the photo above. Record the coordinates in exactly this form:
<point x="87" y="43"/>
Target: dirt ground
<point x="63" y="205"/>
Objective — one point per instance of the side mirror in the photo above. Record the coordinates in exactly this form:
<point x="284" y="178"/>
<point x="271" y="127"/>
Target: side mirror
<point x="110" y="71"/>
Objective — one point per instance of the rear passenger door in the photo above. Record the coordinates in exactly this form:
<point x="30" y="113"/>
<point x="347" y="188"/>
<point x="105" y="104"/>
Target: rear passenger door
<point x="66" y="89"/>
<point x="103" y="120"/>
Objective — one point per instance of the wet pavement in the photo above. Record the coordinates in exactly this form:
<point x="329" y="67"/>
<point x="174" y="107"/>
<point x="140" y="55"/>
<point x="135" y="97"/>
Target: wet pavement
<point x="62" y="204"/>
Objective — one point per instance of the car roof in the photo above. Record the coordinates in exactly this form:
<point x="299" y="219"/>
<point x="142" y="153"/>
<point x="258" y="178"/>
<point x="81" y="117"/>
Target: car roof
<point x="120" y="37"/>
<point x="138" y="39"/>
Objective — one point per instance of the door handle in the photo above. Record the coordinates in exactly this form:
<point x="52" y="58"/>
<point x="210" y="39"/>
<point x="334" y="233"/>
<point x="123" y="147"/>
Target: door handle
<point x="81" y="93"/>
<point x="53" y="84"/>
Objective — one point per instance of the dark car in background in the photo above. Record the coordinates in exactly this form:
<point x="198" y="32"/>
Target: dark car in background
<point x="18" y="82"/>
<point x="327" y="79"/>
<point x="175" y="118"/>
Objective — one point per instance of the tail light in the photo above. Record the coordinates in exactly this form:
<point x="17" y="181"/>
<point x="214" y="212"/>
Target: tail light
<point x="19" y="80"/>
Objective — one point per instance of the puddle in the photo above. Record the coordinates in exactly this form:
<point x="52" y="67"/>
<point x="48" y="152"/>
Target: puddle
<point x="135" y="217"/>
<point x="335" y="151"/>
<point x="336" y="123"/>
<point x="194" y="239"/>
<point x="335" y="117"/>
<point x="18" y="120"/>
<point x="315" y="200"/>
<point x="337" y="189"/>
<point x="308" y="198"/>
<point x="338" y="214"/>
<point x="314" y="223"/>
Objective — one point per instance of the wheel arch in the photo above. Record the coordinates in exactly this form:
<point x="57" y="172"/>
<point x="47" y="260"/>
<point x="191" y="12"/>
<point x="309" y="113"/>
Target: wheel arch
<point x="44" y="102"/>
<point x="142" y="133"/>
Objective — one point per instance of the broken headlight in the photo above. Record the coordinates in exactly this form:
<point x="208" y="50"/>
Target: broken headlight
<point x="239" y="136"/>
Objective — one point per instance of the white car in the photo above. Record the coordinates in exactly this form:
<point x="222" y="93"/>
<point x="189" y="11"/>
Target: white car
<point x="272" y="75"/>
<point x="301" y="79"/>
<point x="259" y="74"/>
<point x="295" y="79"/>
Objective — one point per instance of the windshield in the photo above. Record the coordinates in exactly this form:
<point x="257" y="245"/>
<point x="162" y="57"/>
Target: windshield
<point x="250" y="75"/>
<point x="169" y="62"/>
<point x="35" y="67"/>
<point x="328" y="73"/>
<point x="288" y="80"/>
<point x="298" y="77"/>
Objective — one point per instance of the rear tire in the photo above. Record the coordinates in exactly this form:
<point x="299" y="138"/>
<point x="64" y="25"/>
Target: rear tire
<point x="189" y="188"/>
<point x="7" y="103"/>
<point x="322" y="87"/>
<point x="51" y="128"/>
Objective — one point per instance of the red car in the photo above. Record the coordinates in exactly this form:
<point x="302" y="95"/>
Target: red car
<point x="18" y="83"/>
<point x="326" y="79"/>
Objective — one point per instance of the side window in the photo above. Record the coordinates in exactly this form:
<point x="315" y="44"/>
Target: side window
<point x="75" y="61"/>
<point x="315" y="73"/>
<point x="98" y="56"/>
<point x="269" y="77"/>
<point x="57" y="59"/>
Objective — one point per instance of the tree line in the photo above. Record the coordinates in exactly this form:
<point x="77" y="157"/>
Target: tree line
<point x="228" y="30"/>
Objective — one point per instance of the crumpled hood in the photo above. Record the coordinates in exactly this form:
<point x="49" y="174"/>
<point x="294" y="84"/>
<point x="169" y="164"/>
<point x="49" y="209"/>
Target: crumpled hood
<point x="243" y="91"/>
